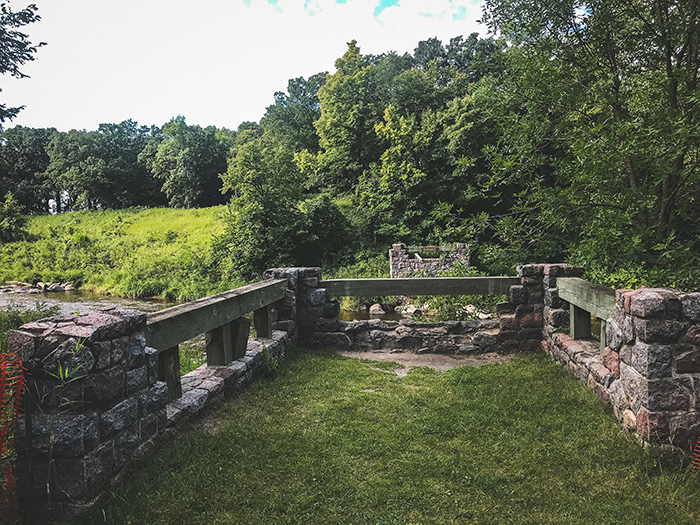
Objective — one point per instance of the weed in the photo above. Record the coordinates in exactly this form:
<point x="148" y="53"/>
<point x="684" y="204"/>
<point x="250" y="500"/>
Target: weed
<point x="270" y="363"/>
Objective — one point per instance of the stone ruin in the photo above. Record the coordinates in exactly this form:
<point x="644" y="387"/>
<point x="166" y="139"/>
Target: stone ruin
<point x="401" y="265"/>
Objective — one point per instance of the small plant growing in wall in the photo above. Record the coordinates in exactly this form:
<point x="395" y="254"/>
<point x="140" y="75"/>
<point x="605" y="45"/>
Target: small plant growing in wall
<point x="67" y="369"/>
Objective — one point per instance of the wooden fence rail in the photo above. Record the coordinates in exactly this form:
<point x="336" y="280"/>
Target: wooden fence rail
<point x="220" y="318"/>
<point x="586" y="299"/>
<point x="419" y="286"/>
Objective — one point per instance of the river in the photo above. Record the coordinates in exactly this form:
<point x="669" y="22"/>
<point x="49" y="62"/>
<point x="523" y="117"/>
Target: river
<point x="72" y="302"/>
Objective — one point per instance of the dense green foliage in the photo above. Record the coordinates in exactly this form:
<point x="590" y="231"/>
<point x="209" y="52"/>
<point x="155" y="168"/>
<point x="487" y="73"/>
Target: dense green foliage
<point x="12" y="222"/>
<point x="134" y="253"/>
<point x="332" y="440"/>
<point x="572" y="137"/>
<point x="600" y="121"/>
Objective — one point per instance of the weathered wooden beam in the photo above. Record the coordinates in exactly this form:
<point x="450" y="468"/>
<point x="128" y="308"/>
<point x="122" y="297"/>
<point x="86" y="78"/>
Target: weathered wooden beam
<point x="419" y="286"/>
<point x="262" y="321"/>
<point x="417" y="249"/>
<point x="580" y="323"/>
<point x="596" y="299"/>
<point x="169" y="371"/>
<point x="172" y="326"/>
<point x="603" y="337"/>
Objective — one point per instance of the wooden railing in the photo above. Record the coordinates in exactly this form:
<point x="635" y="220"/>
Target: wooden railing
<point x="586" y="299"/>
<point x="220" y="318"/>
<point x="419" y="286"/>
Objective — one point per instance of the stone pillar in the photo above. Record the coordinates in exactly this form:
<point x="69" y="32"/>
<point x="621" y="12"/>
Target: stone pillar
<point x="654" y="342"/>
<point x="533" y="305"/>
<point x="398" y="257"/>
<point x="92" y="400"/>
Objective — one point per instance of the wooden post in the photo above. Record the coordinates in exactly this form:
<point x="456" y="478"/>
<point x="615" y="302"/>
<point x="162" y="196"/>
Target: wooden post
<point x="580" y="322"/>
<point x="219" y="345"/>
<point x="169" y="371"/>
<point x="240" y="330"/>
<point x="262" y="320"/>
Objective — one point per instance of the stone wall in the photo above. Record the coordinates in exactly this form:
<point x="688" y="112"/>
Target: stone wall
<point x="401" y="264"/>
<point x="516" y="328"/>
<point x="650" y="369"/>
<point x="94" y="402"/>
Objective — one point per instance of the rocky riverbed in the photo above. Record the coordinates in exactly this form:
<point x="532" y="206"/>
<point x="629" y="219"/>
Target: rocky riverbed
<point x="69" y="300"/>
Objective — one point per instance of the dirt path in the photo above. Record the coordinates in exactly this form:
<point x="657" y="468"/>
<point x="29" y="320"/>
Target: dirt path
<point x="439" y="362"/>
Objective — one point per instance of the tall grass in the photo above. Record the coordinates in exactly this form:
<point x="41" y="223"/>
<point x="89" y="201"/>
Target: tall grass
<point x="133" y="253"/>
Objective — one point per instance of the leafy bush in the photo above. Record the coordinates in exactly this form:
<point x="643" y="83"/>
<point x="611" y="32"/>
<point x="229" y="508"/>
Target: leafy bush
<point x="12" y="222"/>
<point x="454" y="307"/>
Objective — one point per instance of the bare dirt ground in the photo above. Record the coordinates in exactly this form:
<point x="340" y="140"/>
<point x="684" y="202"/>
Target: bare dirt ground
<point x="439" y="362"/>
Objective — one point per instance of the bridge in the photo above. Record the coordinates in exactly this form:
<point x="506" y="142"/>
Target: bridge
<point x="105" y="387"/>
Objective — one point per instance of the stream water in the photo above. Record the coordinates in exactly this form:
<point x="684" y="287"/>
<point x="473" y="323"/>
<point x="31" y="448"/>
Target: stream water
<point x="71" y="302"/>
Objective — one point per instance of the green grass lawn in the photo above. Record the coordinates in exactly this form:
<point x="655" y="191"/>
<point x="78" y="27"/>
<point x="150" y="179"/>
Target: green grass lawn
<point x="336" y="440"/>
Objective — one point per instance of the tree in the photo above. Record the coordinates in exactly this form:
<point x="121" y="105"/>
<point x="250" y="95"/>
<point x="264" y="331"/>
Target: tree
<point x="189" y="159"/>
<point x="23" y="158"/>
<point x="16" y="47"/>
<point x="261" y="229"/>
<point x="77" y="172"/>
<point x="352" y="102"/>
<point x="293" y="114"/>
<point x="120" y="146"/>
<point x="605" y="142"/>
<point x="12" y="222"/>
<point x="100" y="169"/>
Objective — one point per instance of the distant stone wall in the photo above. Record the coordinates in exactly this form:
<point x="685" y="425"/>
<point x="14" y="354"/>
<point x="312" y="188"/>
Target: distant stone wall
<point x="516" y="328"/>
<point x="401" y="264"/>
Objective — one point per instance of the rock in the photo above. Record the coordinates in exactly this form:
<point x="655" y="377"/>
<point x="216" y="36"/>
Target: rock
<point x="651" y="360"/>
<point x="666" y="394"/>
<point x="629" y="420"/>
<point x="376" y="309"/>
<point x="659" y="330"/>
<point x="316" y="296"/>
<point x="654" y="302"/>
<point x="613" y="335"/>
<point x="651" y="426"/>
<point x="688" y="360"/>
<point x="690" y="304"/>
<point x="517" y="294"/>
<point x="119" y="417"/>
<point x="408" y="310"/>
<point x="611" y="361"/>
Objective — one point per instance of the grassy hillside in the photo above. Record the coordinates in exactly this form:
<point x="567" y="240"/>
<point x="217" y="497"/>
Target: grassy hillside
<point x="135" y="253"/>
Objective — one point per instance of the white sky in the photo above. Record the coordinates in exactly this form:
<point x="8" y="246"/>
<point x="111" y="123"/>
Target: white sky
<point x="217" y="62"/>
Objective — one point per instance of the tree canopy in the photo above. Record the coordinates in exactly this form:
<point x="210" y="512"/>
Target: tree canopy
<point x="16" y="48"/>
<point x="572" y="136"/>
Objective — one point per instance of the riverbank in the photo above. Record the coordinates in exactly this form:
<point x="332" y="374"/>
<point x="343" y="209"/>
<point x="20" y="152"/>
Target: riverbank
<point x="139" y="252"/>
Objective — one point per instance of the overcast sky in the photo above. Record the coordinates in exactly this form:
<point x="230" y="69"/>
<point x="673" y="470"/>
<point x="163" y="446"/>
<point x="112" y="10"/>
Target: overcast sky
<point x="217" y="62"/>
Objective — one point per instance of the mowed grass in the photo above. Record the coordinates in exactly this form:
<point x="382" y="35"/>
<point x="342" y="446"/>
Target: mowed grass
<point x="332" y="440"/>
